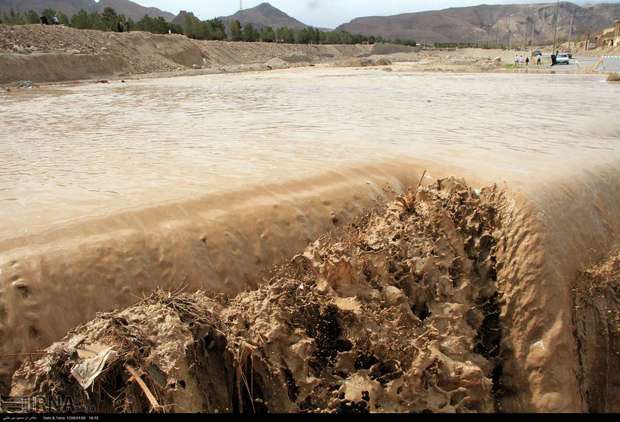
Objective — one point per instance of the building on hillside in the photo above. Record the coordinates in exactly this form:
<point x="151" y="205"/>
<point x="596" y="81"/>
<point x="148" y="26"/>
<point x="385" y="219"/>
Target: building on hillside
<point x="610" y="37"/>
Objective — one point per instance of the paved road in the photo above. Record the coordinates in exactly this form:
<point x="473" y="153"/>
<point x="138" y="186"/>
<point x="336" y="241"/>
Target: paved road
<point x="610" y="64"/>
<point x="603" y="64"/>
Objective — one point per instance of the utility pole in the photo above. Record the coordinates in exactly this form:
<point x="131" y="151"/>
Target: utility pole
<point x="530" y="31"/>
<point x="555" y="35"/>
<point x="570" y="32"/>
<point x="497" y="36"/>
<point x="509" y="34"/>
<point x="240" y="4"/>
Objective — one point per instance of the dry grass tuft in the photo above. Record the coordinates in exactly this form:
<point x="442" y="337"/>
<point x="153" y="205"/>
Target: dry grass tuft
<point x="613" y="77"/>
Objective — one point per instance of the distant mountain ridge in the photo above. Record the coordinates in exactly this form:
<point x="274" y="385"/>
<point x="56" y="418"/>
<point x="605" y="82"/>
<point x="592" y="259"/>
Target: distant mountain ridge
<point x="516" y="23"/>
<point x="264" y="15"/>
<point x="71" y="7"/>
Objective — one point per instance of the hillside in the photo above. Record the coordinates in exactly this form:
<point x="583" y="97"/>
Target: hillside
<point x="490" y="23"/>
<point x="181" y="17"/>
<point x="265" y="15"/>
<point x="134" y="10"/>
<point x="70" y="7"/>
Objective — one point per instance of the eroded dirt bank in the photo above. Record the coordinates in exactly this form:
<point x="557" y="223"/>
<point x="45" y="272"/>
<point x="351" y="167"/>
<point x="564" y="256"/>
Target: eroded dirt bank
<point x="53" y="54"/>
<point x="56" y="279"/>
<point x="550" y="234"/>
<point x="449" y="299"/>
<point x="597" y="328"/>
<point x="396" y="312"/>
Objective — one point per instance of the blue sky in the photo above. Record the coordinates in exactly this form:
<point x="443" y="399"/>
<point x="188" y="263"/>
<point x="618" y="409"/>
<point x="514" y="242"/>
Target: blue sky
<point x="322" y="13"/>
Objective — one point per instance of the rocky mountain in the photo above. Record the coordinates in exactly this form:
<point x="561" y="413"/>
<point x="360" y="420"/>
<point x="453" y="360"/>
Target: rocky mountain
<point x="492" y="24"/>
<point x="515" y="24"/>
<point x="181" y="17"/>
<point x="70" y="7"/>
<point x="134" y="10"/>
<point x="265" y="15"/>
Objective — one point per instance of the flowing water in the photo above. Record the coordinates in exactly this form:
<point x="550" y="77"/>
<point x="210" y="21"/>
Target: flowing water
<point x="111" y="191"/>
<point x="77" y="151"/>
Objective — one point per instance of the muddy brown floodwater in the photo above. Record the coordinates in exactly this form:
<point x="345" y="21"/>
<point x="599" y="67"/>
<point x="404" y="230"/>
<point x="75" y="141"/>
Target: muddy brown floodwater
<point x="70" y="152"/>
<point x="109" y="192"/>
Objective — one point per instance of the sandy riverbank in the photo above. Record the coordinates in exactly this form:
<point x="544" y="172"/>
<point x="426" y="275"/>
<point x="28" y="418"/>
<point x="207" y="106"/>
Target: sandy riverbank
<point x="44" y="54"/>
<point x="54" y="54"/>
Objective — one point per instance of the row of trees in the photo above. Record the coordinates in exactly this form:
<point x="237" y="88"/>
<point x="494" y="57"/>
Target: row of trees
<point x="308" y="35"/>
<point x="107" y="20"/>
<point x="213" y="29"/>
<point x="16" y="18"/>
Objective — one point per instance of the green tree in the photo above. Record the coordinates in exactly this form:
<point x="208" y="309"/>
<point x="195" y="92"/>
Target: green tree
<point x="157" y="26"/>
<point x="346" y="38"/>
<point x="194" y="28"/>
<point x="303" y="36"/>
<point x="203" y="30"/>
<point x="250" y="34"/>
<point x="32" y="17"/>
<point x="285" y="35"/>
<point x="315" y="35"/>
<point x="64" y="19"/>
<point x="267" y="34"/>
<point x="217" y="29"/>
<point x="82" y="20"/>
<point x="16" y="18"/>
<point x="110" y="19"/>
<point x="49" y="14"/>
<point x="235" y="31"/>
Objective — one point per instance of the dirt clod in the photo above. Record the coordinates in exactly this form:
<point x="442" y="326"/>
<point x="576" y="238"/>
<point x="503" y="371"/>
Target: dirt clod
<point x="394" y="313"/>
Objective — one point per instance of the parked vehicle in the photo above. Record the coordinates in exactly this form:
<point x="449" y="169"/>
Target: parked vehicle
<point x="562" y="58"/>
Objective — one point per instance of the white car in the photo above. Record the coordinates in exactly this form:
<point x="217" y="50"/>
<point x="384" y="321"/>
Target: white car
<point x="562" y="59"/>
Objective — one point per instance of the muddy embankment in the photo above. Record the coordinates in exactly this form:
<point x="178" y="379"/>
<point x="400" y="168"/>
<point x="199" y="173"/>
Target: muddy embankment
<point x="53" y="280"/>
<point x="396" y="312"/>
<point x="53" y="54"/>
<point x="448" y="299"/>
<point x="597" y="327"/>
